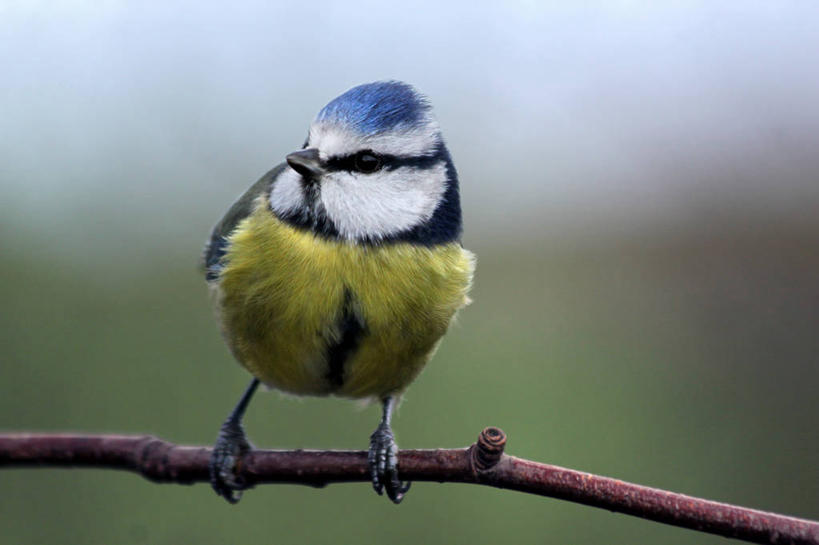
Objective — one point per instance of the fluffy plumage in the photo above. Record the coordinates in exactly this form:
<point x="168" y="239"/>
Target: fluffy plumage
<point x="345" y="283"/>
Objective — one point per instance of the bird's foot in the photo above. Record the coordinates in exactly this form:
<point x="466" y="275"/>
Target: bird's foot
<point x="383" y="461"/>
<point x="230" y="446"/>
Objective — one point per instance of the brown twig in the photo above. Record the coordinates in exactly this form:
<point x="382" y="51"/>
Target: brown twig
<point x="481" y="463"/>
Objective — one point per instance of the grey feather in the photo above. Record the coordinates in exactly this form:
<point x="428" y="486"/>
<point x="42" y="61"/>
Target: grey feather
<point x="217" y="245"/>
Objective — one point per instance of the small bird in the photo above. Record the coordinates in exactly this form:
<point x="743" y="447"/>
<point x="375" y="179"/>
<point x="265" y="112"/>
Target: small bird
<point x="340" y="270"/>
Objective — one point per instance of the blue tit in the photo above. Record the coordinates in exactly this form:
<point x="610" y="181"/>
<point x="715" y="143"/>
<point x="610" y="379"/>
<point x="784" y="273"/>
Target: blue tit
<point x="340" y="270"/>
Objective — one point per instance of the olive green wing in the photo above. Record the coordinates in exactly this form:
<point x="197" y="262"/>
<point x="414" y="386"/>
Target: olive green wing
<point x="216" y="247"/>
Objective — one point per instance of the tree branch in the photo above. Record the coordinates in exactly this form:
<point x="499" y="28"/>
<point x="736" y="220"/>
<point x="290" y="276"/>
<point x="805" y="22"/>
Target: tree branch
<point x="482" y="463"/>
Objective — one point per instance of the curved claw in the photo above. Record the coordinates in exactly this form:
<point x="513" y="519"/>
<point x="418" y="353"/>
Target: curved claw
<point x="230" y="446"/>
<point x="383" y="462"/>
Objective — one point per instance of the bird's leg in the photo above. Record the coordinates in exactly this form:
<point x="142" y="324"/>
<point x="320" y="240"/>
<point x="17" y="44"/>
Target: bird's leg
<point x="230" y="446"/>
<point x="383" y="457"/>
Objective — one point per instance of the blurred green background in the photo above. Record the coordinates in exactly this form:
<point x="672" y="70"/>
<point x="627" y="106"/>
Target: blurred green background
<point x="641" y="186"/>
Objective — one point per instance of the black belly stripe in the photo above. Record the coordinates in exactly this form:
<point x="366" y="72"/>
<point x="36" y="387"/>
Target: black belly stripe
<point x="350" y="332"/>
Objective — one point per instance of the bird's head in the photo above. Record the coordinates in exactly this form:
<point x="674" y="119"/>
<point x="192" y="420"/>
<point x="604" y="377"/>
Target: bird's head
<point x="374" y="169"/>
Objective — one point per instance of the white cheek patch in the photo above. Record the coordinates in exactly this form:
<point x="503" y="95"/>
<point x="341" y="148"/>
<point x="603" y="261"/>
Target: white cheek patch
<point x="287" y="195"/>
<point x="383" y="203"/>
<point x="333" y="140"/>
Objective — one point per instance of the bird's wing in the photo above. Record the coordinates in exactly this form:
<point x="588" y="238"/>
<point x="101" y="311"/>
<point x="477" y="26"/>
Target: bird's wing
<point x="217" y="245"/>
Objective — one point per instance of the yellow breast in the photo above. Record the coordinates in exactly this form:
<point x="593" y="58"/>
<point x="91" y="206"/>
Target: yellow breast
<point x="285" y="295"/>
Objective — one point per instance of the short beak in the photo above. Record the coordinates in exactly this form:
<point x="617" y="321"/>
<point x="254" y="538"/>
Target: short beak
<point x="306" y="162"/>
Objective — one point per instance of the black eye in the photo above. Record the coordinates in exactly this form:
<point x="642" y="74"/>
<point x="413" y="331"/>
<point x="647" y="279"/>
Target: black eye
<point x="367" y="161"/>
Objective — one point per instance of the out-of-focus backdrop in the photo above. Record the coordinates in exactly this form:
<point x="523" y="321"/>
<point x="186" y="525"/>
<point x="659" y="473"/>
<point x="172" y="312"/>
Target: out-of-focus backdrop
<point x="640" y="183"/>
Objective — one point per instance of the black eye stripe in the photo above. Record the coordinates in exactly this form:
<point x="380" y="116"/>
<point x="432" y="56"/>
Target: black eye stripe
<point x="388" y="162"/>
<point x="363" y="161"/>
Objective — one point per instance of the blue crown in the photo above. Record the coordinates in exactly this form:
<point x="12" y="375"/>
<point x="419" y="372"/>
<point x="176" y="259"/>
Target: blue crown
<point x="377" y="107"/>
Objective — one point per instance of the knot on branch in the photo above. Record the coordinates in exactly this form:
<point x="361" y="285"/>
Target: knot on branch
<point x="487" y="452"/>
